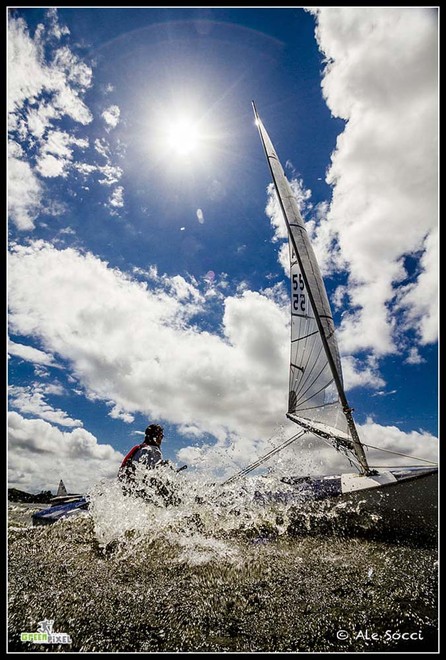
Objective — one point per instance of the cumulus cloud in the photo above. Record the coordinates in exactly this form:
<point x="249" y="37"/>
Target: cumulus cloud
<point x="30" y="354"/>
<point x="381" y="77"/>
<point x="39" y="455"/>
<point x="420" y="444"/>
<point x="41" y="90"/>
<point x="47" y="83"/>
<point x="55" y="28"/>
<point x="384" y="393"/>
<point x="56" y="153"/>
<point x="111" y="174"/>
<point x="117" y="413"/>
<point x="419" y="300"/>
<point x="116" y="199"/>
<point x="24" y="194"/>
<point x="414" y="357"/>
<point x="64" y="78"/>
<point x="102" y="148"/>
<point x="359" y="374"/>
<point x="31" y="401"/>
<point x="139" y="348"/>
<point x="384" y="179"/>
<point x="161" y="365"/>
<point x="111" y="116"/>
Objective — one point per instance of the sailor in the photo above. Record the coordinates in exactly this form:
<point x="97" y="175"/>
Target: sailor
<point x="148" y="453"/>
<point x="146" y="484"/>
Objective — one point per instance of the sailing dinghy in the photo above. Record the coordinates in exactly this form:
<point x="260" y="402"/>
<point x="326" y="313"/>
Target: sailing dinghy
<point x="317" y="402"/>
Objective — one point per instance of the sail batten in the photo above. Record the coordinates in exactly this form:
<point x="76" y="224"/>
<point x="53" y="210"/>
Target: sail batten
<point x="304" y="337"/>
<point x="308" y="387"/>
<point x="315" y="364"/>
<point x="301" y="408"/>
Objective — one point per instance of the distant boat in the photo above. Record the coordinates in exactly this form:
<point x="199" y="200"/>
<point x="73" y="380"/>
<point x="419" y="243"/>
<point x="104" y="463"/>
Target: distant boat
<point x="66" y="506"/>
<point x="63" y="495"/>
<point x="317" y="402"/>
<point x="61" y="491"/>
<point x="63" y="505"/>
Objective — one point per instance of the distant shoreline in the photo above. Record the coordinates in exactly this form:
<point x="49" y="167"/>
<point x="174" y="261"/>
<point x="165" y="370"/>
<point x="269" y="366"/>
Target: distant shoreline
<point x="16" y="495"/>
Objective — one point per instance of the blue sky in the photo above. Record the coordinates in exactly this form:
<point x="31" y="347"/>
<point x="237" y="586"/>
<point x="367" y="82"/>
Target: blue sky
<point x="147" y="257"/>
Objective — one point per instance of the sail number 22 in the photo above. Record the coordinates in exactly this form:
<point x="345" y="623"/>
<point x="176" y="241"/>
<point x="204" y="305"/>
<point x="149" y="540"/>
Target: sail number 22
<point x="299" y="298"/>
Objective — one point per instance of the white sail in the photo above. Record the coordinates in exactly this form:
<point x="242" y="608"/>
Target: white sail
<point x="317" y="399"/>
<point x="313" y="396"/>
<point x="61" y="491"/>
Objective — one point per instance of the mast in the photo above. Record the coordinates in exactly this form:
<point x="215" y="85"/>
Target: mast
<point x="347" y="410"/>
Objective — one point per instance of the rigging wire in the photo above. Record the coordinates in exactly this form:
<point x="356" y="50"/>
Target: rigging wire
<point x="299" y="434"/>
<point x="392" y="467"/>
<point x="262" y="459"/>
<point x="398" y="453"/>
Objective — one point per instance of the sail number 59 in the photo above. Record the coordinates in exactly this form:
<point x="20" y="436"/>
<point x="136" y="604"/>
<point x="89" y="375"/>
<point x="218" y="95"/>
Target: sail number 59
<point x="299" y="298"/>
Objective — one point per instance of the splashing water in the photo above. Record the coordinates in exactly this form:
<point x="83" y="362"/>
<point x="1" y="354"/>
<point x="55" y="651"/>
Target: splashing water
<point x="198" y="515"/>
<point x="184" y="565"/>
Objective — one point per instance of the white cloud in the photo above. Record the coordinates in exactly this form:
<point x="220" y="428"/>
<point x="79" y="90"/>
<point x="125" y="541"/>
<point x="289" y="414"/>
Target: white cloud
<point x="30" y="354"/>
<point x="27" y="76"/>
<point x="102" y="148"/>
<point x="414" y="357"/>
<point x="111" y="174"/>
<point x="116" y="199"/>
<point x="64" y="77"/>
<point x="40" y="371"/>
<point x="31" y="401"/>
<point x="384" y="393"/>
<point x="39" y="118"/>
<point x="45" y="84"/>
<point x="39" y="455"/>
<point x="67" y="231"/>
<point x="381" y="77"/>
<point x="200" y="216"/>
<point x="180" y="288"/>
<point x="24" y="194"/>
<point x="420" y="300"/>
<point x="50" y="166"/>
<point x="56" y="153"/>
<point x="418" y="444"/>
<point x="111" y="116"/>
<point x="53" y="388"/>
<point x="79" y="75"/>
<point x="160" y="365"/>
<point x="85" y="168"/>
<point x="117" y="413"/>
<point x="356" y="374"/>
<point x="55" y="28"/>
<point x="137" y="349"/>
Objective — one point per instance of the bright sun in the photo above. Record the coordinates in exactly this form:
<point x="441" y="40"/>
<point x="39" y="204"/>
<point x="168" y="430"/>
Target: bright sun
<point x="183" y="136"/>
